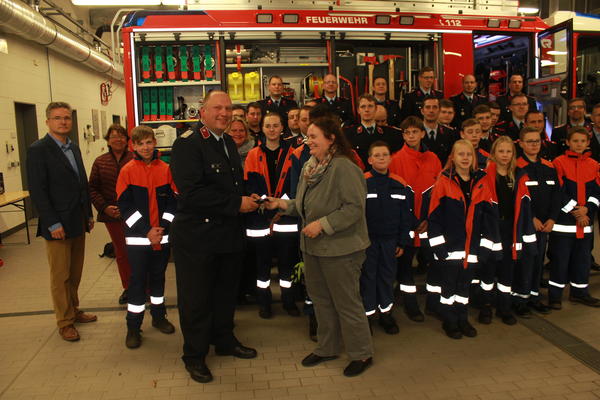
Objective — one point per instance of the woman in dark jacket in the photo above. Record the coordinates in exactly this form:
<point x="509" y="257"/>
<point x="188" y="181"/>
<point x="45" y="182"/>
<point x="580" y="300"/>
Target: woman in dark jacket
<point x="103" y="180"/>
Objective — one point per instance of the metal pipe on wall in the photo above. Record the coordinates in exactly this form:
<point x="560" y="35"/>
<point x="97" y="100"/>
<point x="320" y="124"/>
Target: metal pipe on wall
<point x="21" y="20"/>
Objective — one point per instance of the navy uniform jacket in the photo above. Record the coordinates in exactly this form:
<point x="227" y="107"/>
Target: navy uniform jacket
<point x="413" y="101"/>
<point x="504" y="102"/>
<point x="559" y="135"/>
<point x="57" y="191"/>
<point x="508" y="128"/>
<point x="268" y="105"/>
<point x="299" y="156"/>
<point x="340" y="106"/>
<point x="543" y="186"/>
<point x="210" y="186"/>
<point x="361" y="140"/>
<point x="393" y="111"/>
<point x="463" y="108"/>
<point x="442" y="145"/>
<point x="389" y="208"/>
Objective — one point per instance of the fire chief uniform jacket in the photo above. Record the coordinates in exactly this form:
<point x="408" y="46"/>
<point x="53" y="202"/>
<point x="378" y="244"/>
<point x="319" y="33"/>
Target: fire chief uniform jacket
<point x="461" y="231"/>
<point x="256" y="173"/>
<point x="340" y="106"/>
<point x="578" y="176"/>
<point x="362" y="137"/>
<point x="211" y="186"/>
<point x="146" y="198"/>
<point x="523" y="236"/>
<point x="413" y="101"/>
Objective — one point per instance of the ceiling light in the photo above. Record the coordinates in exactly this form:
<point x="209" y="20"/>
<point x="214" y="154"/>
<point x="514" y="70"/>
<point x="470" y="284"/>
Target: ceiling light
<point x="548" y="63"/>
<point x="528" y="10"/>
<point x="98" y="3"/>
<point x="557" y="53"/>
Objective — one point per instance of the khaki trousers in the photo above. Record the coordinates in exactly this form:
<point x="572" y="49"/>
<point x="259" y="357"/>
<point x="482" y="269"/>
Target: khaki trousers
<point x="66" y="263"/>
<point x="333" y="286"/>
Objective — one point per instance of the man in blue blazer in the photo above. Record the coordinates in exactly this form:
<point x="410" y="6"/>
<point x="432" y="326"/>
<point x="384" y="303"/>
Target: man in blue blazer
<point x="59" y="191"/>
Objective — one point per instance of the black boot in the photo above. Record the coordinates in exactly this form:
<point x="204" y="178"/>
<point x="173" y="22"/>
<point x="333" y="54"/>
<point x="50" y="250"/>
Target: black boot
<point x="133" y="340"/>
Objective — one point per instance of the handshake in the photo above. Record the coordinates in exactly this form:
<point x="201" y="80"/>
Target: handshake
<point x="252" y="202"/>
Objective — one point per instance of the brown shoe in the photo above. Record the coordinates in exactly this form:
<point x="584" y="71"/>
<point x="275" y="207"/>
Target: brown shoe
<point x="69" y="333"/>
<point x="84" y="318"/>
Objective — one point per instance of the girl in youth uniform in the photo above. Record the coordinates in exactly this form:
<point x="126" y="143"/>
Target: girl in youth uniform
<point x="517" y="232"/>
<point x="461" y="231"/>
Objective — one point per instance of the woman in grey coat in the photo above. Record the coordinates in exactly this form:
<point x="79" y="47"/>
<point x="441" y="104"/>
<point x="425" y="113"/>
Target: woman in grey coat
<point x="330" y="200"/>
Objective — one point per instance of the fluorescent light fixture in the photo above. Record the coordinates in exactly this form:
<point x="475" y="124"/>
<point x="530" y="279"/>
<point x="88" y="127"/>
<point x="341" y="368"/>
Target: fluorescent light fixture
<point x="514" y="24"/>
<point x="493" y="23"/>
<point x="557" y="53"/>
<point x="264" y="18"/>
<point x="486" y="40"/>
<point x="407" y="20"/>
<point x="291" y="18"/>
<point x="528" y="10"/>
<point x="383" y="19"/>
<point x="113" y="3"/>
<point x="548" y="63"/>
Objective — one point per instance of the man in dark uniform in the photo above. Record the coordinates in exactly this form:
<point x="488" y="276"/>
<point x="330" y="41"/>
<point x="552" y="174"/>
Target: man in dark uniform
<point x="518" y="109"/>
<point x="537" y="121"/>
<point x="254" y="119"/>
<point x="515" y="87"/>
<point x="341" y="106"/>
<point x="207" y="235"/>
<point x="380" y="89"/>
<point x="465" y="102"/>
<point x="362" y="135"/>
<point x="575" y="117"/>
<point x="438" y="138"/>
<point x="275" y="102"/>
<point x="413" y="101"/>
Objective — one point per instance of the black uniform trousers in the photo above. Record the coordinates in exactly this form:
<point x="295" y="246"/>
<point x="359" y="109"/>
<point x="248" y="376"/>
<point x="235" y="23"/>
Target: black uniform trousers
<point x="406" y="281"/>
<point x="499" y="272"/>
<point x="528" y="272"/>
<point x="455" y="281"/>
<point x="148" y="268"/>
<point x="377" y="276"/>
<point x="570" y="264"/>
<point x="207" y="285"/>
<point x="284" y="246"/>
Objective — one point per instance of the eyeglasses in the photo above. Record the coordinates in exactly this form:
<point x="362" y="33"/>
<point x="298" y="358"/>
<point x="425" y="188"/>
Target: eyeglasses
<point x="576" y="107"/>
<point x="538" y="141"/>
<point x="520" y="104"/>
<point x="61" y="119"/>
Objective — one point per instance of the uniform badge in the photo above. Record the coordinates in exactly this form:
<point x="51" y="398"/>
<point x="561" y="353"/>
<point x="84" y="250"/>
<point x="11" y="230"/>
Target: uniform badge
<point x="205" y="132"/>
<point x="216" y="167"/>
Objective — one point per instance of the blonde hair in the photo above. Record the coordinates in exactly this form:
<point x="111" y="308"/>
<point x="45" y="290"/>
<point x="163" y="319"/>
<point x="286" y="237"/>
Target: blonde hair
<point x="450" y="162"/>
<point x="513" y="162"/>
<point x="243" y="122"/>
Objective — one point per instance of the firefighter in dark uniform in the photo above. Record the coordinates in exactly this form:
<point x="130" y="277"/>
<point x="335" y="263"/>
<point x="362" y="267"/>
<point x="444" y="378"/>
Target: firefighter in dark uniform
<point x="518" y="109"/>
<point x="340" y="106"/>
<point x="380" y="89"/>
<point x="413" y="101"/>
<point x="362" y="135"/>
<point x="465" y="102"/>
<point x="515" y="87"/>
<point x="275" y="102"/>
<point x="537" y="121"/>
<point x="254" y="118"/>
<point x="576" y="117"/>
<point x="438" y="138"/>
<point x="207" y="235"/>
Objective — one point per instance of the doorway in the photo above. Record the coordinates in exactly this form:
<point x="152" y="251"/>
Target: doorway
<point x="27" y="133"/>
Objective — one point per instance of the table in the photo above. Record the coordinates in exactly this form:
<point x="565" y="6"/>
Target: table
<point x="16" y="199"/>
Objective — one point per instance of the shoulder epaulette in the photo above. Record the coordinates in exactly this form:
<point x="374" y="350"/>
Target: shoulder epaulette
<point x="186" y="134"/>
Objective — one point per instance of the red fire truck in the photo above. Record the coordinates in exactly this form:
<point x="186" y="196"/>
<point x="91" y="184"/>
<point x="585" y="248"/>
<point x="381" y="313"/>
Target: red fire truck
<point x="172" y="58"/>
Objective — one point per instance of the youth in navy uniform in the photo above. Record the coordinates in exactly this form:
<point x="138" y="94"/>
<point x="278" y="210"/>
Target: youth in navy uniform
<point x="515" y="87"/>
<point x="447" y="114"/>
<point x="340" y="106"/>
<point x="254" y="119"/>
<point x="266" y="172"/>
<point x="275" y="102"/>
<point x="389" y="220"/>
<point x="576" y="117"/>
<point x="544" y="190"/>
<point x="293" y="128"/>
<point x="413" y="101"/>
<point x="146" y="197"/>
<point x="207" y="235"/>
<point x="459" y="233"/>
<point x="361" y="136"/>
<point x="516" y="231"/>
<point x="471" y="131"/>
<point x="483" y="115"/>
<point x="380" y="89"/>
<point x="438" y="138"/>
<point x="572" y="234"/>
<point x="465" y="102"/>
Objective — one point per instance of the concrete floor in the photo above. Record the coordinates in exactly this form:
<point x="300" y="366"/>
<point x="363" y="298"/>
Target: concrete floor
<point x="502" y="362"/>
